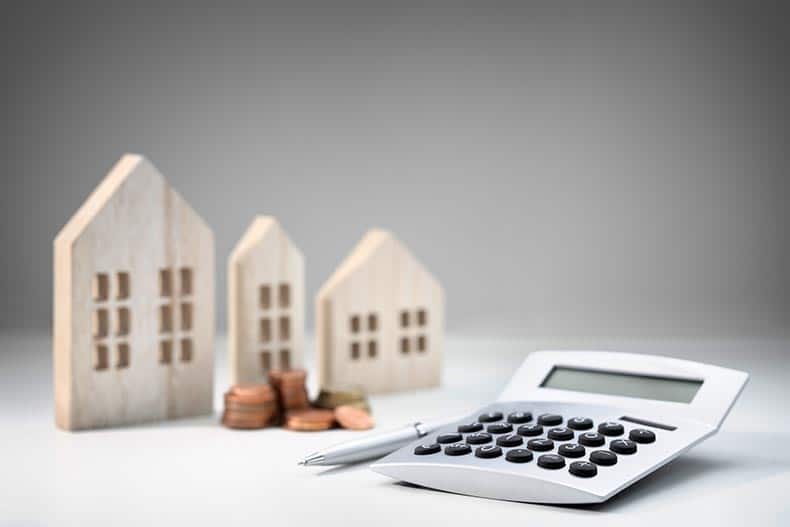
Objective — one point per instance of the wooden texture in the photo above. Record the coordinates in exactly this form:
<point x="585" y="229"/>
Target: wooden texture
<point x="265" y="303"/>
<point x="133" y="305"/>
<point x="380" y="320"/>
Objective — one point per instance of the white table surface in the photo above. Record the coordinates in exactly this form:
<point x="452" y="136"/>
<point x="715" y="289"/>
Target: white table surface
<point x="195" y="472"/>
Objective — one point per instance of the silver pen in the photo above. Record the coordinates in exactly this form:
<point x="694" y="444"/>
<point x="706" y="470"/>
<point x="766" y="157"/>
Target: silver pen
<point x="371" y="446"/>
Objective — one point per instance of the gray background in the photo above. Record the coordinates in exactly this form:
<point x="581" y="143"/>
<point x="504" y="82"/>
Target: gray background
<point x="564" y="170"/>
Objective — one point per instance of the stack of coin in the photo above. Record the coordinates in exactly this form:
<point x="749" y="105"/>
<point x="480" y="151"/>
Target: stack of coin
<point x="353" y="418"/>
<point x="331" y="398"/>
<point x="291" y="388"/>
<point x="309" y="419"/>
<point x="250" y="406"/>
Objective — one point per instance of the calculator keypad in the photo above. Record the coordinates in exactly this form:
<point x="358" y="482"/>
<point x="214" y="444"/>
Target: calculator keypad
<point x="531" y="430"/>
<point x="546" y="436"/>
<point x="510" y="440"/>
<point x="457" y="449"/>
<point x="640" y="435"/>
<point x="518" y="418"/>
<point x="592" y="439"/>
<point x="583" y="469"/>
<point x="571" y="450"/>
<point x="479" y="438"/>
<point x="519" y="455"/>
<point x="551" y="461"/>
<point x="499" y="428"/>
<point x="580" y="423"/>
<point x="470" y="427"/>
<point x="490" y="417"/>
<point x="550" y="419"/>
<point x="488" y="451"/>
<point x="623" y="446"/>
<point x="427" y="449"/>
<point x="561" y="434"/>
<point x="610" y="428"/>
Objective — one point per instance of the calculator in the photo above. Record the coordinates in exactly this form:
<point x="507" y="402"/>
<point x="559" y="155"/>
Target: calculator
<point x="573" y="427"/>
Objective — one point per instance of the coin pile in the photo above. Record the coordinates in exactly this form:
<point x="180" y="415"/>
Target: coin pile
<point x="331" y="398"/>
<point x="310" y="419"/>
<point x="291" y="388"/>
<point x="250" y="406"/>
<point x="285" y="402"/>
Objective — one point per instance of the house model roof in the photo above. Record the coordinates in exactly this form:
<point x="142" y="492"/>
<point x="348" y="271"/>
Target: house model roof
<point x="259" y="229"/>
<point x="371" y="243"/>
<point x="129" y="166"/>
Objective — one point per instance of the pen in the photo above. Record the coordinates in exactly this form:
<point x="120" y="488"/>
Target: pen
<point x="371" y="446"/>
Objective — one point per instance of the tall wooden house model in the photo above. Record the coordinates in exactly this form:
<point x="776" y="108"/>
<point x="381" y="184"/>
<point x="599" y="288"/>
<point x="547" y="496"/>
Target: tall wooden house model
<point x="133" y="305"/>
<point x="380" y="320"/>
<point x="265" y="303"/>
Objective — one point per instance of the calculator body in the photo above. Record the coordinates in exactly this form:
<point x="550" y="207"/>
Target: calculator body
<point x="590" y="424"/>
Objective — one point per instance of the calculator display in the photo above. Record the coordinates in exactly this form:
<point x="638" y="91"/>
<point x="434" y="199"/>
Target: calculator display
<point x="622" y="384"/>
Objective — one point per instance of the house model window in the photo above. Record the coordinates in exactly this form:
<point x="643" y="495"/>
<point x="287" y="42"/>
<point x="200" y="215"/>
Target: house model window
<point x="274" y="316"/>
<point x="412" y="331"/>
<point x="364" y="334"/>
<point x="176" y="315"/>
<point x="112" y="320"/>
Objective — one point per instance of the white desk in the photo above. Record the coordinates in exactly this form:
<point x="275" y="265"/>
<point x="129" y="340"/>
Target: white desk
<point x="194" y="472"/>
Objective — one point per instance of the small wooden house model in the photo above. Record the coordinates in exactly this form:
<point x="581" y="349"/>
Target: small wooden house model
<point x="380" y="320"/>
<point x="133" y="305"/>
<point x="265" y="303"/>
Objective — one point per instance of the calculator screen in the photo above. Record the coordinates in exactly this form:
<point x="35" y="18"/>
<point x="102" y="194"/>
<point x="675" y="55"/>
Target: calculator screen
<point x="623" y="384"/>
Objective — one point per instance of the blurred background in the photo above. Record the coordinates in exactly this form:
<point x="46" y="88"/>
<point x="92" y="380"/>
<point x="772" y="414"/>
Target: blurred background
<point x="563" y="169"/>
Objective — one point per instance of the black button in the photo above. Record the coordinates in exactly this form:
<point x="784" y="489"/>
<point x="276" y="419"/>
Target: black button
<point x="540" y="445"/>
<point x="509" y="440"/>
<point x="488" y="451"/>
<point x="591" y="439"/>
<point x="457" y="449"/>
<point x="424" y="450"/>
<point x="583" y="469"/>
<point x="530" y="430"/>
<point x="571" y="450"/>
<point x="552" y="461"/>
<point x="560" y="434"/>
<point x="623" y="446"/>
<point x="478" y="438"/>
<point x="490" y="417"/>
<point x="449" y="438"/>
<point x="550" y="419"/>
<point x="640" y="435"/>
<point x="470" y="427"/>
<point x="518" y="418"/>
<point x="499" y="428"/>
<point x="519" y="455"/>
<point x="603" y="458"/>
<point x="610" y="428"/>
<point x="580" y="423"/>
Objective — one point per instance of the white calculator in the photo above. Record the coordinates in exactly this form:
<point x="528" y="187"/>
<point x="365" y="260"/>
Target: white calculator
<point x="573" y="427"/>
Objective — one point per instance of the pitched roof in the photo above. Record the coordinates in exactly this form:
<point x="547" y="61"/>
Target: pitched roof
<point x="129" y="166"/>
<point x="260" y="227"/>
<point x="371" y="242"/>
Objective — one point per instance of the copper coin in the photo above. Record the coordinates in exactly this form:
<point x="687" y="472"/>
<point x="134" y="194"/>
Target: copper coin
<point x="234" y="421"/>
<point x="251" y="393"/>
<point x="309" y="419"/>
<point x="353" y="418"/>
<point x="230" y="402"/>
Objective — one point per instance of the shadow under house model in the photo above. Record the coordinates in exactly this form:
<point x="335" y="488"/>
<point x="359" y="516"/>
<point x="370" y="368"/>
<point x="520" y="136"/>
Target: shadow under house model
<point x="380" y="320"/>
<point x="133" y="305"/>
<point x="265" y="303"/>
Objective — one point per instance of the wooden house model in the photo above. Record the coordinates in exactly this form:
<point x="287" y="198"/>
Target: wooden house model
<point x="133" y="336"/>
<point x="265" y="303"/>
<point x="380" y="320"/>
